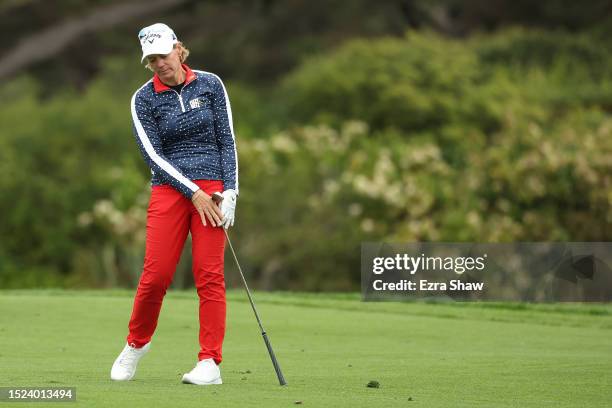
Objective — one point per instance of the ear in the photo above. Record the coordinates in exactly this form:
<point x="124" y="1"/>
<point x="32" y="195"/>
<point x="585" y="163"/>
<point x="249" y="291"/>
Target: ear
<point x="179" y="46"/>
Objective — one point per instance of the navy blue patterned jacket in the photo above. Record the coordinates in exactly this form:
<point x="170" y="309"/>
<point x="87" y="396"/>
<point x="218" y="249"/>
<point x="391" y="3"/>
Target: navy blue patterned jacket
<point x="188" y="135"/>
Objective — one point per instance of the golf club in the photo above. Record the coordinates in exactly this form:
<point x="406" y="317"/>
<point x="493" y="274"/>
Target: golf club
<point x="217" y="198"/>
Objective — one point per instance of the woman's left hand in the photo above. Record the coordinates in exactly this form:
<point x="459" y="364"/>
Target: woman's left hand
<point x="228" y="208"/>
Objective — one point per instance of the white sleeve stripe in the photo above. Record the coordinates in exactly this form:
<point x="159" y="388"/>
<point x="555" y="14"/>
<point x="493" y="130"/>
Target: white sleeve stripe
<point x="142" y="135"/>
<point x="230" y="120"/>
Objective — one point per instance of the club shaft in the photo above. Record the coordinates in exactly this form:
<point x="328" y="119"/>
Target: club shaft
<point x="279" y="373"/>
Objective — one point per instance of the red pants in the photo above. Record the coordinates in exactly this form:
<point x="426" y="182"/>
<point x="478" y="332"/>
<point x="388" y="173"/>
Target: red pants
<point x="170" y="217"/>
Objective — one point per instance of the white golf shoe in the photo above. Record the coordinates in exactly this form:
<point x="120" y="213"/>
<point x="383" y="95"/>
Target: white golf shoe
<point x="206" y="372"/>
<point x="125" y="365"/>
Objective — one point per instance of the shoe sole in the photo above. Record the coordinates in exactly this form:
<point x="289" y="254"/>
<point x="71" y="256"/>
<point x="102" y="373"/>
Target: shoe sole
<point x="187" y="380"/>
<point x="123" y="379"/>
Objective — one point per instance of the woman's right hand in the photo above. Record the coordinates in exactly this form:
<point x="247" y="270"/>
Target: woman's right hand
<point x="207" y="208"/>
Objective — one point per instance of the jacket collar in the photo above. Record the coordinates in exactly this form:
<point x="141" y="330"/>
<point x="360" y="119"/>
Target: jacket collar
<point x="159" y="86"/>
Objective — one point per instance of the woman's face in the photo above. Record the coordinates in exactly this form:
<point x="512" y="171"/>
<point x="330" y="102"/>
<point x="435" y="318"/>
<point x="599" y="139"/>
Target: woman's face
<point x="167" y="67"/>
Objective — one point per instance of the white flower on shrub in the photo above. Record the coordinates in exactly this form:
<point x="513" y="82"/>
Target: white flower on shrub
<point x="367" y="225"/>
<point x="283" y="143"/>
<point x="355" y="209"/>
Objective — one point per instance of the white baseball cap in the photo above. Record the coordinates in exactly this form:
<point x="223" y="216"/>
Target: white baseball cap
<point x="156" y="39"/>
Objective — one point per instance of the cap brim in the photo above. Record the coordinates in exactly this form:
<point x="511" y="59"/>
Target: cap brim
<point x="158" y="47"/>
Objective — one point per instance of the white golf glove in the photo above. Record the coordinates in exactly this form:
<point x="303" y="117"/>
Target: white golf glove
<point x="228" y="208"/>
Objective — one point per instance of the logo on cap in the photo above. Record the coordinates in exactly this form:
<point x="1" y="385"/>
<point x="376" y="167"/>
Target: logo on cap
<point x="150" y="37"/>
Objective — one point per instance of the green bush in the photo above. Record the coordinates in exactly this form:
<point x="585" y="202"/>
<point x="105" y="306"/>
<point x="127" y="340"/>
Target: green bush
<point x="71" y="150"/>
<point x="493" y="138"/>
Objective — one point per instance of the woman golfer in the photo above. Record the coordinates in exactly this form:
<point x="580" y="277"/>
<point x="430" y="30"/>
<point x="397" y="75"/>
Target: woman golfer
<point x="183" y="126"/>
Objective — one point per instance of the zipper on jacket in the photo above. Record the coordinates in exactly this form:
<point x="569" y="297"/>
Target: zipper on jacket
<point x="180" y="98"/>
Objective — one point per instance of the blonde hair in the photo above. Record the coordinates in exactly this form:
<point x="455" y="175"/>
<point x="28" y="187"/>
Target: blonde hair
<point x="183" y="54"/>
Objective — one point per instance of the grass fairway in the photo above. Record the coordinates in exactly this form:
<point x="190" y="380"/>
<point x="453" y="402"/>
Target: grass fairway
<point x="329" y="346"/>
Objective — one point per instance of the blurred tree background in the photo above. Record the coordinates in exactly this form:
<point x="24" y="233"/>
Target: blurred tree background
<point x="417" y="120"/>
